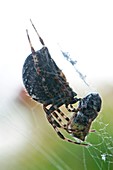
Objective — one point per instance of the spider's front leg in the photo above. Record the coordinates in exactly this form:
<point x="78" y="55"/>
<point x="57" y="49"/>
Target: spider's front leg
<point x="55" y="107"/>
<point x="51" y="119"/>
<point x="56" y="125"/>
<point x="67" y="139"/>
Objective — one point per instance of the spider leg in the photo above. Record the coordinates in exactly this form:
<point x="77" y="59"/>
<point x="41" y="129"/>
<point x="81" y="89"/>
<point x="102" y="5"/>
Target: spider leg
<point x="52" y="120"/>
<point x="54" y="108"/>
<point x="63" y="115"/>
<point x="32" y="49"/>
<point x="66" y="139"/>
<point x="72" y="109"/>
<point x="41" y="40"/>
<point x="63" y="126"/>
<point x="56" y="125"/>
<point x="58" y="119"/>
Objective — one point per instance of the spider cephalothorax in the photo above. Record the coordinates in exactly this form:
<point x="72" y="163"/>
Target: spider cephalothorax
<point x="47" y="84"/>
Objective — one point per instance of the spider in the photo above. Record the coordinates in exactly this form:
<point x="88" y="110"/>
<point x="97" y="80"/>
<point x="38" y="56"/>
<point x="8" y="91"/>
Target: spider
<point x="47" y="84"/>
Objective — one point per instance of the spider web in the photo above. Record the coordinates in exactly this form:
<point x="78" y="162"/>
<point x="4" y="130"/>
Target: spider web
<point x="73" y="63"/>
<point x="99" y="154"/>
<point x="102" y="152"/>
<point x="29" y="142"/>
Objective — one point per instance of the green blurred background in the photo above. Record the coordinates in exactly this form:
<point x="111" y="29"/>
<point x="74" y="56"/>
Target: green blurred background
<point x="85" y="30"/>
<point x="28" y="142"/>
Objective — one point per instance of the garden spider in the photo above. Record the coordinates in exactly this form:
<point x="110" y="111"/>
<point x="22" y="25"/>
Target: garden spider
<point x="47" y="84"/>
<point x="80" y="123"/>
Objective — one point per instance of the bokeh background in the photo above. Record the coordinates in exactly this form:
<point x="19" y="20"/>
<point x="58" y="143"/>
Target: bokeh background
<point x="85" y="30"/>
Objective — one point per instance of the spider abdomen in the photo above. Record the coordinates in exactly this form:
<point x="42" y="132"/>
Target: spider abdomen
<point x="43" y="80"/>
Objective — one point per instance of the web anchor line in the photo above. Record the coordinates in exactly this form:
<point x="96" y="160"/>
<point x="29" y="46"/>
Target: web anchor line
<point x="73" y="63"/>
